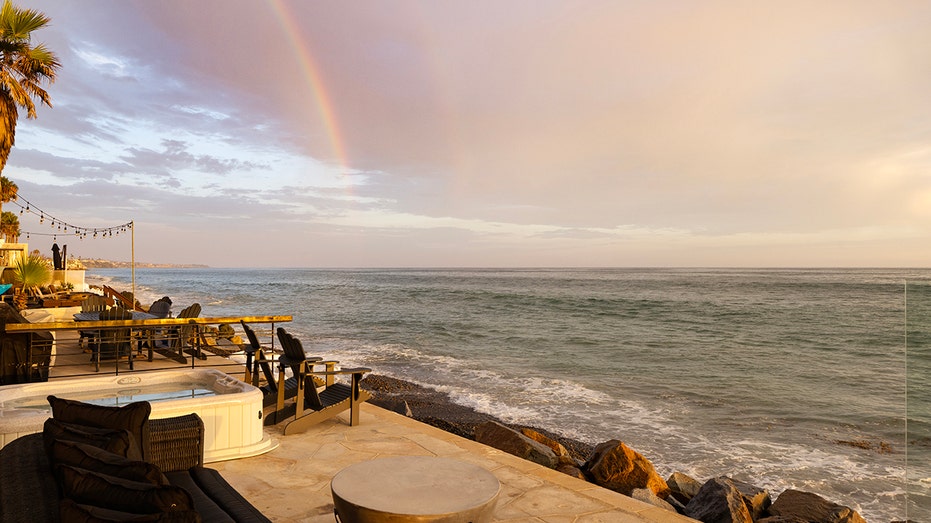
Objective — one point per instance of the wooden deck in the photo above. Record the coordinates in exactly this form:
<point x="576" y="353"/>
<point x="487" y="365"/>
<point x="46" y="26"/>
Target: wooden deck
<point x="70" y="357"/>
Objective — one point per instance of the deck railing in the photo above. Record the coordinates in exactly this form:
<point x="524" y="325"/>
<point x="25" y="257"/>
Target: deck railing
<point x="120" y="346"/>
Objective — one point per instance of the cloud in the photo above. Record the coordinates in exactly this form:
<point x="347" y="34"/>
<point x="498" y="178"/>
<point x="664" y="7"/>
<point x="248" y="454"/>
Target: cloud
<point x="529" y="131"/>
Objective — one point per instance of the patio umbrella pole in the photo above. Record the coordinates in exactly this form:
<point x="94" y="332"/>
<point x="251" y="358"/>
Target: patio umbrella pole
<point x="132" y="248"/>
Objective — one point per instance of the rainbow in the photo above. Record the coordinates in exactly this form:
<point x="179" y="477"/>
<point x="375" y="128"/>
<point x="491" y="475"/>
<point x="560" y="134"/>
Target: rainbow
<point x="311" y="73"/>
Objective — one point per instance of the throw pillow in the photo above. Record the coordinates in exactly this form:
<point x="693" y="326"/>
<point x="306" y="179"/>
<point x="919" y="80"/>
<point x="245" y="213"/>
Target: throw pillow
<point x="93" y="458"/>
<point x="119" y="442"/>
<point x="90" y="488"/>
<point x="133" y="417"/>
<point x="75" y="513"/>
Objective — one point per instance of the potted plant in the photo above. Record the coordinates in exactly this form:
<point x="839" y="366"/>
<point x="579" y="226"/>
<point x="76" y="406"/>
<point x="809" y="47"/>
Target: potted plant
<point x="29" y="271"/>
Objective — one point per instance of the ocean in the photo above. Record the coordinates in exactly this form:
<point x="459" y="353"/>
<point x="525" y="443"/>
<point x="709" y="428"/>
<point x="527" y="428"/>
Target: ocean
<point x="813" y="379"/>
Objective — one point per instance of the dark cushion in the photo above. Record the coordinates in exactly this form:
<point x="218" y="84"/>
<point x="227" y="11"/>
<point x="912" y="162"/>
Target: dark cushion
<point x="89" y="457"/>
<point x="204" y="503"/>
<point x="119" y="442"/>
<point x="133" y="417"/>
<point x="90" y="488"/>
<point x="211" y="482"/>
<point x="73" y="512"/>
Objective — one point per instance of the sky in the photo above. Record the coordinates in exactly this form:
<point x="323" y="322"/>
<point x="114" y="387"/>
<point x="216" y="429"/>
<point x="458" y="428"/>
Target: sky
<point x="452" y="133"/>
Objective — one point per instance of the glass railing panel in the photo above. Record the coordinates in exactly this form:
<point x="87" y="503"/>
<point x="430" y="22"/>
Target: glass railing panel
<point x="918" y="399"/>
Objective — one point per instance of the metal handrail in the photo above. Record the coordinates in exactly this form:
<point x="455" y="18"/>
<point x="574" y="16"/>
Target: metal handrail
<point x="165" y="322"/>
<point x="38" y="349"/>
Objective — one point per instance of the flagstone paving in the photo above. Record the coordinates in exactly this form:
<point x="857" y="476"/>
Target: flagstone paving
<point x="292" y="482"/>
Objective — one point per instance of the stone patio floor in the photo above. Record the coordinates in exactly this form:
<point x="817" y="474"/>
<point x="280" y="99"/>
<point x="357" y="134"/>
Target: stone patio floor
<point x="292" y="482"/>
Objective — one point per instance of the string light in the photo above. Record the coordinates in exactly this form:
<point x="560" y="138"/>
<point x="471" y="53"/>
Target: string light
<point x="26" y="206"/>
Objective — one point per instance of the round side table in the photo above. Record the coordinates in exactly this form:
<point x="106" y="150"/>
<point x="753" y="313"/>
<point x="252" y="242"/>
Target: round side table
<point x="414" y="489"/>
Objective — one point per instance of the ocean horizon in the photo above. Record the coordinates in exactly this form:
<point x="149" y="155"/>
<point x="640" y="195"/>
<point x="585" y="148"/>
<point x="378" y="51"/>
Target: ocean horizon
<point x="814" y="379"/>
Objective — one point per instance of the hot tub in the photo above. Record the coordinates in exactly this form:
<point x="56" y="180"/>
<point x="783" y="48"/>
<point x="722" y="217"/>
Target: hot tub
<point x="230" y="408"/>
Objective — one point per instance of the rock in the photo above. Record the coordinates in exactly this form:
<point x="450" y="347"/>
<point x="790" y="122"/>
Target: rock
<point x="565" y="463"/>
<point x="756" y="498"/>
<point x="616" y="466"/>
<point x="496" y="435"/>
<point x="682" y="486"/>
<point x="647" y="496"/>
<point x="812" y="507"/>
<point x="554" y="445"/>
<point x="782" y="519"/>
<point x="571" y="470"/>
<point x="225" y="330"/>
<point x="718" y="501"/>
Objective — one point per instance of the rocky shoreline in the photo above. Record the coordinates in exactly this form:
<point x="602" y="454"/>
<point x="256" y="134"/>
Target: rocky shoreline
<point x="610" y="464"/>
<point x="435" y="408"/>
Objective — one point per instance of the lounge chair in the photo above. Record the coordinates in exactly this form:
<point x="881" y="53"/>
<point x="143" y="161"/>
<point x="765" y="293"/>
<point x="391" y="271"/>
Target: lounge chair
<point x="310" y="405"/>
<point x="171" y="342"/>
<point x="259" y="358"/>
<point x="112" y="344"/>
<point x="160" y="309"/>
<point x="126" y="299"/>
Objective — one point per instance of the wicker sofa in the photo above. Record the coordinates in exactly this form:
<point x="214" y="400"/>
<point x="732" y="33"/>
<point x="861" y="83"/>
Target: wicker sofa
<point x="43" y="481"/>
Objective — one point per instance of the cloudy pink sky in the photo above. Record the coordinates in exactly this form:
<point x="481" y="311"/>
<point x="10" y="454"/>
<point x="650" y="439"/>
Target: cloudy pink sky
<point x="486" y="133"/>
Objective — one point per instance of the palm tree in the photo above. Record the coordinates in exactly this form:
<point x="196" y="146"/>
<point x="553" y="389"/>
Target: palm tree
<point x="23" y="67"/>
<point x="8" y="190"/>
<point x="29" y="271"/>
<point x="9" y="226"/>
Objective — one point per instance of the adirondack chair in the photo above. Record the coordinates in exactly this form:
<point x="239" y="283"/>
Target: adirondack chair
<point x="125" y="299"/>
<point x="312" y="406"/>
<point x="171" y="342"/>
<point x="160" y="309"/>
<point x="259" y="358"/>
<point x="112" y="344"/>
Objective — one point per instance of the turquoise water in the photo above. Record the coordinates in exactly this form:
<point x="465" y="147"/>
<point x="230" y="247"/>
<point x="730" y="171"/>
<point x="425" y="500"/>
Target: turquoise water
<point x="782" y="378"/>
<point x="118" y="397"/>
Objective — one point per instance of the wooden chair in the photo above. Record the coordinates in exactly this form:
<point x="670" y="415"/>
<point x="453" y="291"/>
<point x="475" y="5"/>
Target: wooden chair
<point x="259" y="358"/>
<point x="171" y="342"/>
<point x="126" y="299"/>
<point x="256" y="359"/>
<point x="312" y="406"/>
<point x="113" y="343"/>
<point x="160" y="309"/>
<point x="92" y="303"/>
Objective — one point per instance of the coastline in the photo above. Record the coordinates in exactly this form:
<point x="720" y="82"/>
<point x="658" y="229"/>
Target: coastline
<point x="401" y="318"/>
<point x="436" y="408"/>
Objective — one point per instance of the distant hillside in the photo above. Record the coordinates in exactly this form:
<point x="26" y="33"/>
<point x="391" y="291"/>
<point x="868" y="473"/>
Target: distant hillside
<point x="92" y="263"/>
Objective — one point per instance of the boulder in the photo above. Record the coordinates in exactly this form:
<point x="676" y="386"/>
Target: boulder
<point x="718" y="501"/>
<point x="682" y="486"/>
<point x="616" y="466"/>
<point x="647" y="496"/>
<point x="570" y="470"/>
<point x="496" y="435"/>
<point x="782" y="519"/>
<point x="812" y="507"/>
<point x="554" y="445"/>
<point x="756" y="499"/>
<point x="565" y="463"/>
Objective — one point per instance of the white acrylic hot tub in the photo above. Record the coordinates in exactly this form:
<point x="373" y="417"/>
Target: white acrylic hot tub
<point x="231" y="409"/>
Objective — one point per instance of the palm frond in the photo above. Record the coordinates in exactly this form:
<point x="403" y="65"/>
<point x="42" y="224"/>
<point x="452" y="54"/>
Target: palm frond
<point x="31" y="271"/>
